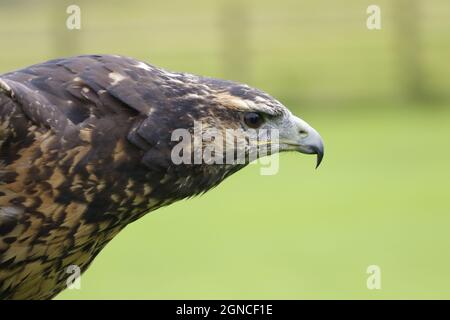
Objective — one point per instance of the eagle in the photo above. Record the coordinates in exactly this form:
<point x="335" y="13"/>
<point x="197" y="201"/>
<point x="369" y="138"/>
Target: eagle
<point x="86" y="148"/>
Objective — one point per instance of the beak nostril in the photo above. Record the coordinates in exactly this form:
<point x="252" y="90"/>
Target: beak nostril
<point x="303" y="133"/>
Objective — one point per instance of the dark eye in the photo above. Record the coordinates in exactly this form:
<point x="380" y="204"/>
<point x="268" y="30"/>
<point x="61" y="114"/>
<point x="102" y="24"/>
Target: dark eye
<point x="253" y="120"/>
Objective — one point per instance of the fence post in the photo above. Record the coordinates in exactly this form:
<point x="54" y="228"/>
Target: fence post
<point x="234" y="21"/>
<point x="408" y="48"/>
<point x="64" y="42"/>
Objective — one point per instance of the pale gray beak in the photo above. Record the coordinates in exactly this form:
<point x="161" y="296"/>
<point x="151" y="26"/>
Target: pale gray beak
<point x="315" y="149"/>
<point x="310" y="141"/>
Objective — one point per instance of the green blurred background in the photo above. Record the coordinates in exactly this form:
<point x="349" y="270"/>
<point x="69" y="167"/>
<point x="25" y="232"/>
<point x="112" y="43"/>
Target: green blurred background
<point x="379" y="98"/>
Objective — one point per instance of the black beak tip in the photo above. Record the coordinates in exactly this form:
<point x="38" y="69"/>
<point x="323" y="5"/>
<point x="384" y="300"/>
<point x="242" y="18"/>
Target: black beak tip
<point x="320" y="153"/>
<point x="319" y="160"/>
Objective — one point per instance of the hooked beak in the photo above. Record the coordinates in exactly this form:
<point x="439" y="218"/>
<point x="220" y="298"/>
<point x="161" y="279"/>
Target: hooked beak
<point x="313" y="144"/>
<point x="306" y="139"/>
<point x="320" y="152"/>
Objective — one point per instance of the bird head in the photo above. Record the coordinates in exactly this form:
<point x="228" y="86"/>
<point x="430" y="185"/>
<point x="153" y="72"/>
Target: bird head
<point x="220" y="126"/>
<point x="262" y="121"/>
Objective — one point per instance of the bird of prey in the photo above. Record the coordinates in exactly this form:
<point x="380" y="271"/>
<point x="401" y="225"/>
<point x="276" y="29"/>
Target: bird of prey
<point x="85" y="149"/>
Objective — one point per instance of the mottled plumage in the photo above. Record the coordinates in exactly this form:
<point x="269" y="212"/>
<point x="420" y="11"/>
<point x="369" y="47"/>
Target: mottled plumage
<point x="85" y="148"/>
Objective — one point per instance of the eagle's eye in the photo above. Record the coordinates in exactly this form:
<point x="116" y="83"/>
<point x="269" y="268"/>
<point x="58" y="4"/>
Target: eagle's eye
<point x="253" y="120"/>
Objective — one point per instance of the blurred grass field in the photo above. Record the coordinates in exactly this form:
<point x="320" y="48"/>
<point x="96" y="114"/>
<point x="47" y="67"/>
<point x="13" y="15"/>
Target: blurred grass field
<point x="381" y="196"/>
